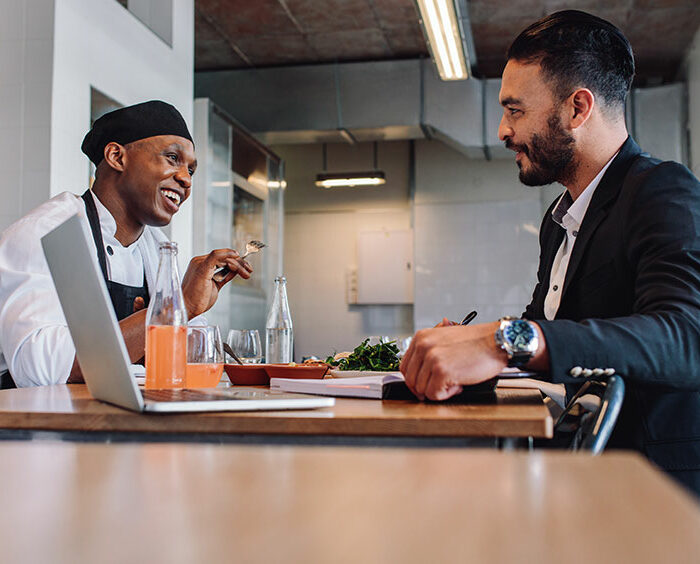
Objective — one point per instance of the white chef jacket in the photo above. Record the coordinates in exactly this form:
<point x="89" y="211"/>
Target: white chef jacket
<point x="35" y="343"/>
<point x="569" y="215"/>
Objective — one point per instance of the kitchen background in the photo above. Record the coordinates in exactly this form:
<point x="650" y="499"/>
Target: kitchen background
<point x="264" y="106"/>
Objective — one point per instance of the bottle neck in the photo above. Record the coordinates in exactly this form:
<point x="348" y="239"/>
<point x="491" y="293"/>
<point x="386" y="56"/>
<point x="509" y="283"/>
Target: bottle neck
<point x="279" y="315"/>
<point x="167" y="265"/>
<point x="167" y="305"/>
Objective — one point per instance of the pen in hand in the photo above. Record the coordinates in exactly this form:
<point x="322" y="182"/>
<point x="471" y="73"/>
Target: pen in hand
<point x="468" y="318"/>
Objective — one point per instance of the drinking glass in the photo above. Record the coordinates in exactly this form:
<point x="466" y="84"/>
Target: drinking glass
<point x="403" y="343"/>
<point x="205" y="357"/>
<point x="246" y="344"/>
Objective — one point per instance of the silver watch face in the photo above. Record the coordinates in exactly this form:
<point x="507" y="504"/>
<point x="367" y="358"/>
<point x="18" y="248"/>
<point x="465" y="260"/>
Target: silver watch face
<point x="517" y="336"/>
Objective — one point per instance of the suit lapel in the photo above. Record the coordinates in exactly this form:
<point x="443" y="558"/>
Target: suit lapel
<point x="606" y="192"/>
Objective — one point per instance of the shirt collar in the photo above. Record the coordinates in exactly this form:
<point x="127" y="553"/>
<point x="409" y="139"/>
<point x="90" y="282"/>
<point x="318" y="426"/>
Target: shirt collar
<point x="567" y="211"/>
<point x="108" y="224"/>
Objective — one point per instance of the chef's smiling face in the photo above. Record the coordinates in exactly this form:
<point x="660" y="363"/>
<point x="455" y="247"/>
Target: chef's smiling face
<point x="532" y="125"/>
<point x="157" y="177"/>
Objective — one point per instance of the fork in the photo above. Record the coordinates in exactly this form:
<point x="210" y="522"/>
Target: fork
<point x="250" y="248"/>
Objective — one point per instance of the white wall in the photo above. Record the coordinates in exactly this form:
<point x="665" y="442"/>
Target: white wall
<point x="318" y="249"/>
<point x="475" y="229"/>
<point x="99" y="43"/>
<point x="320" y="243"/>
<point x="660" y="114"/>
<point x="26" y="52"/>
<point x="476" y="236"/>
<point x="692" y="72"/>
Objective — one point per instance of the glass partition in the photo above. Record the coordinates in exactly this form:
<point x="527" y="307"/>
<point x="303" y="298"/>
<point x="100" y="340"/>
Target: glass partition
<point x="237" y="198"/>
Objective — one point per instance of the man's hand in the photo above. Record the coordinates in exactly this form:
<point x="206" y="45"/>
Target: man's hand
<point x="446" y="323"/>
<point x="442" y="360"/>
<point x="199" y="288"/>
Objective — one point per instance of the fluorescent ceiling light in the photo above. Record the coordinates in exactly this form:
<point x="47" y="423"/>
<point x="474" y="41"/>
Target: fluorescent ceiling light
<point x="440" y="26"/>
<point x="337" y="179"/>
<point x="221" y="183"/>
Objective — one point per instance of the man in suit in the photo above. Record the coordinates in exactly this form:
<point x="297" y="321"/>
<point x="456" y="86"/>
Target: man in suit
<point x="618" y="285"/>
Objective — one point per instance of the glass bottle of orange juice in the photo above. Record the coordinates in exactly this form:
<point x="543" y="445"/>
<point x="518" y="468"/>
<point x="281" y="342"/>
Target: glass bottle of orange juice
<point x="166" y="326"/>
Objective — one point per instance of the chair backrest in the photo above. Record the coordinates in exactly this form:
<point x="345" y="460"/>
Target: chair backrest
<point x="595" y="427"/>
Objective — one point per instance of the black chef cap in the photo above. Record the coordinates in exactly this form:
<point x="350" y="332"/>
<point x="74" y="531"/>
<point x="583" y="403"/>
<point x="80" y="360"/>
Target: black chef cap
<point x="132" y="123"/>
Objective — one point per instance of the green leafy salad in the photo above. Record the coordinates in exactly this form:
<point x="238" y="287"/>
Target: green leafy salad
<point x="380" y="358"/>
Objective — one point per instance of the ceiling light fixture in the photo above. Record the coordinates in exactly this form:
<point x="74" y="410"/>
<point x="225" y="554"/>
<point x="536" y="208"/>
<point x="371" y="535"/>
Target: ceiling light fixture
<point x="334" y="180"/>
<point x="350" y="179"/>
<point x="440" y="23"/>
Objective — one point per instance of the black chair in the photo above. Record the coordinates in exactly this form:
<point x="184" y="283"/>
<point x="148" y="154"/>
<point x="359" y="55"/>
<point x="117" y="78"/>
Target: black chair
<point x="592" y="429"/>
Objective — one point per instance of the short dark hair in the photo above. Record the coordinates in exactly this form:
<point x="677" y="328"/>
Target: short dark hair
<point x="576" y="49"/>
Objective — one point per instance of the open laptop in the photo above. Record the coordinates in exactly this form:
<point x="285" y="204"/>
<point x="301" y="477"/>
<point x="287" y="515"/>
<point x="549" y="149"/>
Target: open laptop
<point x="101" y="350"/>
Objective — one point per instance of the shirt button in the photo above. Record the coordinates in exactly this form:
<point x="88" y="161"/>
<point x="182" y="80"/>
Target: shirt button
<point x="574" y="233"/>
<point x="110" y="250"/>
<point x="555" y="287"/>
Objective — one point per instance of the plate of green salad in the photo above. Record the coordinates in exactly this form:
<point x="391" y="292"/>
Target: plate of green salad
<point x="366" y="360"/>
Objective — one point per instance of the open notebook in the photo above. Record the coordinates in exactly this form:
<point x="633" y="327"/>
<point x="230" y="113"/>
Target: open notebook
<point x="373" y="387"/>
<point x="383" y="386"/>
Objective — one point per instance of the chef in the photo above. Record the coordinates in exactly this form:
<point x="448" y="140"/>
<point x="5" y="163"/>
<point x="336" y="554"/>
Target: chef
<point x="145" y="160"/>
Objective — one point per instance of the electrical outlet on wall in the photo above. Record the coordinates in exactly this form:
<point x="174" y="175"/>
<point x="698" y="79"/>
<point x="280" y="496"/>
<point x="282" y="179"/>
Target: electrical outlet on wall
<point x="351" y="284"/>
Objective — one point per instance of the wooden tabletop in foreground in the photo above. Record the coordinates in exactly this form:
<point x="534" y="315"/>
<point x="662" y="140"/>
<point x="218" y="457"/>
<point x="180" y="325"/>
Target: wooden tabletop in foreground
<point x="78" y="502"/>
<point x="516" y="413"/>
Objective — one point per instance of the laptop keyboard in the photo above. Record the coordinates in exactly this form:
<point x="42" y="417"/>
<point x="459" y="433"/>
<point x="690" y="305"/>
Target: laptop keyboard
<point x="183" y="395"/>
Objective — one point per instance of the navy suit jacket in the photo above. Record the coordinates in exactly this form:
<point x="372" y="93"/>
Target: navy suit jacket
<point x="631" y="301"/>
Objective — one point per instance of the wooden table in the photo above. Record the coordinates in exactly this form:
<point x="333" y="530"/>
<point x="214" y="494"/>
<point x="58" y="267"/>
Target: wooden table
<point x="70" y="408"/>
<point x="73" y="503"/>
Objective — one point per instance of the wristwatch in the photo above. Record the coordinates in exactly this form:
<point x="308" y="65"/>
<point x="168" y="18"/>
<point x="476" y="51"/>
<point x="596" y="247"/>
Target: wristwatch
<point x="518" y="338"/>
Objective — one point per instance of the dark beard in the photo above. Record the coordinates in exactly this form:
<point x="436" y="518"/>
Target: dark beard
<point x="551" y="155"/>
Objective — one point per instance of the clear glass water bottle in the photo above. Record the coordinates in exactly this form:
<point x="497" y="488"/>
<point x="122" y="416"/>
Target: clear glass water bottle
<point x="279" y="334"/>
<point x="166" y="326"/>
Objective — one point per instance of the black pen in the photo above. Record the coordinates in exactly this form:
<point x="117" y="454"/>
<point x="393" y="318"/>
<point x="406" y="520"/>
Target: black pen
<point x="468" y="318"/>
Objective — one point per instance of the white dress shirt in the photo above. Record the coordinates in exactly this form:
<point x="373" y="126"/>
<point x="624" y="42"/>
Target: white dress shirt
<point x="569" y="215"/>
<point x="35" y="343"/>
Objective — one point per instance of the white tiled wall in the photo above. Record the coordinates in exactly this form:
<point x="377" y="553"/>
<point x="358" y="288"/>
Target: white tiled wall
<point x="320" y="240"/>
<point x="26" y="55"/>
<point x="480" y="255"/>
<point x="476" y="241"/>
<point x="476" y="236"/>
<point x="692" y="75"/>
<point x="319" y="248"/>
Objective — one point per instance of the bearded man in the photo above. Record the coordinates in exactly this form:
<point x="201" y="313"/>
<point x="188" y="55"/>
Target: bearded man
<point x="618" y="284"/>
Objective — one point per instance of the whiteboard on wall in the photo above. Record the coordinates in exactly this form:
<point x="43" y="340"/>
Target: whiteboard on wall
<point x="385" y="267"/>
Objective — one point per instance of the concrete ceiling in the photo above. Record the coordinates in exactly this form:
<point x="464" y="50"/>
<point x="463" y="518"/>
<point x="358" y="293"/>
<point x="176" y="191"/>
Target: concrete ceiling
<point x="234" y="34"/>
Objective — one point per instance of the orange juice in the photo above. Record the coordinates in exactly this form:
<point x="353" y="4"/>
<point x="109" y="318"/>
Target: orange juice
<point x="166" y="356"/>
<point x="203" y="375"/>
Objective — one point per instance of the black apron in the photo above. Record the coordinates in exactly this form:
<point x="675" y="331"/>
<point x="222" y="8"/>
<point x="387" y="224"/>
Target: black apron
<point x="122" y="296"/>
